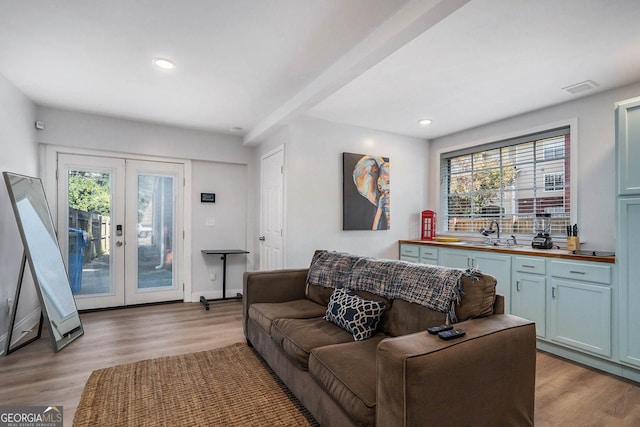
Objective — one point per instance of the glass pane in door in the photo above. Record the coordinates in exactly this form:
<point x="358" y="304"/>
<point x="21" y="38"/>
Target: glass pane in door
<point x="89" y="224"/>
<point x="155" y="232"/>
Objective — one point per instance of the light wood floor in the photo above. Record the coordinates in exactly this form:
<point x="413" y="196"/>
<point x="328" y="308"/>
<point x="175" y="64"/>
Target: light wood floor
<point x="567" y="394"/>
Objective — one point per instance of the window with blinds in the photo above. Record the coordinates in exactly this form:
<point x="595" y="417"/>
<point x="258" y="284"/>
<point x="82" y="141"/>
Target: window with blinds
<point x="510" y="182"/>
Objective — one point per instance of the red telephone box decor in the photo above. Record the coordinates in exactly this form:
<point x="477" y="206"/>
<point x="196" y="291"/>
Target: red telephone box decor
<point x="428" y="225"/>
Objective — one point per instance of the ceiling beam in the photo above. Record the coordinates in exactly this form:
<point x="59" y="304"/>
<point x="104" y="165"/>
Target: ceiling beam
<point x="413" y="19"/>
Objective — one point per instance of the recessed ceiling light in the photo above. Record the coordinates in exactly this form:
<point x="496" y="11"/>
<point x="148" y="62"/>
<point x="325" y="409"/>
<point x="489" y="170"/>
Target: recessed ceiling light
<point x="236" y="129"/>
<point x="164" y="63"/>
<point x="425" y="122"/>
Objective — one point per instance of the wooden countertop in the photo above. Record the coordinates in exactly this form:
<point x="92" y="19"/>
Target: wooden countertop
<point x="516" y="250"/>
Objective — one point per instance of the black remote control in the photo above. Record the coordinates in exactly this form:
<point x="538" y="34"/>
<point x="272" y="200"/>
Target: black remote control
<point x="435" y="329"/>
<point x="451" y="334"/>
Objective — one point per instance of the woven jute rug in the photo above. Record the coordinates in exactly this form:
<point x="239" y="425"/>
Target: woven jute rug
<point x="229" y="386"/>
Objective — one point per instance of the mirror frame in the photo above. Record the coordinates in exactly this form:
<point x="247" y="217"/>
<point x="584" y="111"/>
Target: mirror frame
<point x="42" y="281"/>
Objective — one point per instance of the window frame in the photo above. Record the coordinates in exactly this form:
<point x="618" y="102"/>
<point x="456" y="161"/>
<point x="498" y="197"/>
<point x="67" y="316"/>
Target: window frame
<point x="569" y="127"/>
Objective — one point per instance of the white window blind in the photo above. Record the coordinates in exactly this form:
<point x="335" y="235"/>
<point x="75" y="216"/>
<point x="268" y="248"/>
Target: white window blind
<point x="510" y="182"/>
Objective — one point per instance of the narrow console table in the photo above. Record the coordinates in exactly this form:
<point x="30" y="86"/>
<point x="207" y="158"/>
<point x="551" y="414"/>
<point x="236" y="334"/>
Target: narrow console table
<point x="224" y="253"/>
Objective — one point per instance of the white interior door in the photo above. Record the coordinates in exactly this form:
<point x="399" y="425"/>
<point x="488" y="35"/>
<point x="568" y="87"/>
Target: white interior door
<point x="123" y="223"/>
<point x="271" y="211"/>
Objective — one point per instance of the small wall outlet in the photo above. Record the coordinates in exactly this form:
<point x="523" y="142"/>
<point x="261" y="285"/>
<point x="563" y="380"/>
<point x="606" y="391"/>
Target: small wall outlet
<point x="211" y="221"/>
<point x="212" y="274"/>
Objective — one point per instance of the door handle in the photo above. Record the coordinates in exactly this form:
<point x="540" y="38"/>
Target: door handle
<point x="261" y="238"/>
<point x="119" y="243"/>
<point x="518" y="285"/>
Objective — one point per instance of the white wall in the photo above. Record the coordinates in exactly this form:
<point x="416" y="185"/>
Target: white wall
<point x="313" y="175"/>
<point x="82" y="130"/>
<point x="230" y="183"/>
<point x="221" y="165"/>
<point x="596" y="156"/>
<point x="19" y="155"/>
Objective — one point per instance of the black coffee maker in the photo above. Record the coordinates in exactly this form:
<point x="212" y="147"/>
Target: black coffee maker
<point x="542" y="228"/>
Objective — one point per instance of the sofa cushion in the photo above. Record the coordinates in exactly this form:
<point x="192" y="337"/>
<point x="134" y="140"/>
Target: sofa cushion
<point x="354" y="314"/>
<point x="297" y="337"/>
<point x="318" y="294"/>
<point x="478" y="296"/>
<point x="348" y="373"/>
<point x="265" y="313"/>
<point x="407" y="318"/>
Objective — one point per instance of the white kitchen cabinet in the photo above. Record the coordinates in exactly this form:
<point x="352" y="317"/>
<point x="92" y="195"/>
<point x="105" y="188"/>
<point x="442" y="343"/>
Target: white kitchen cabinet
<point x="629" y="279"/>
<point x="410" y="253"/>
<point x="628" y="229"/>
<point x="455" y="258"/>
<point x="499" y="266"/>
<point x="529" y="291"/>
<point x="429" y="255"/>
<point x="419" y="253"/>
<point x="579" y="310"/>
<point x="628" y="146"/>
<point x="580" y="306"/>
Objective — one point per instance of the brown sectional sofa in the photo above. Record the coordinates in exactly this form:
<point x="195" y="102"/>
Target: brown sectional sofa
<point x="401" y="376"/>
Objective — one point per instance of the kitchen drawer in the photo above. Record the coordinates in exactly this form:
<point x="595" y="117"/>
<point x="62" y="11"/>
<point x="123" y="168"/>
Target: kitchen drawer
<point x="530" y="265"/>
<point x="412" y="251"/>
<point x="429" y="252"/>
<point x="581" y="271"/>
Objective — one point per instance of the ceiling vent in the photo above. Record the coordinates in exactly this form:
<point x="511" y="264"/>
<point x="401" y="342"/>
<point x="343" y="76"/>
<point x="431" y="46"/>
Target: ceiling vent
<point x="581" y="87"/>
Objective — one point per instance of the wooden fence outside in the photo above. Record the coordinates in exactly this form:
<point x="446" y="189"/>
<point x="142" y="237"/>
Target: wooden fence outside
<point x="97" y="228"/>
<point x="513" y="225"/>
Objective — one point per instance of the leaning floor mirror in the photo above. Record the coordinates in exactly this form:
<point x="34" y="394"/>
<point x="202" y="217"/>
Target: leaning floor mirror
<point x="35" y="223"/>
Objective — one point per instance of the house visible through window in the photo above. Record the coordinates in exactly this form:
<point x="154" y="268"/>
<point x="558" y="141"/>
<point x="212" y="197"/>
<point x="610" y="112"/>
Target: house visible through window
<point x="554" y="181"/>
<point x="510" y="182"/>
<point x="553" y="149"/>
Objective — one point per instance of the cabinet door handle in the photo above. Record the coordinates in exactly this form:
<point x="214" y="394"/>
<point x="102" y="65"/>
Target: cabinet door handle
<point x="518" y="285"/>
<point x="553" y="292"/>
<point x="577" y="272"/>
<point x="528" y="266"/>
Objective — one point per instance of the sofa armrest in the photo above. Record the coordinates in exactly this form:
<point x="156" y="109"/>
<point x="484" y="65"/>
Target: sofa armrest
<point x="486" y="377"/>
<point x="272" y="286"/>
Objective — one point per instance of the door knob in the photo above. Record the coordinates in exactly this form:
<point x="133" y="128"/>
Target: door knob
<point x="261" y="238"/>
<point x="119" y="243"/>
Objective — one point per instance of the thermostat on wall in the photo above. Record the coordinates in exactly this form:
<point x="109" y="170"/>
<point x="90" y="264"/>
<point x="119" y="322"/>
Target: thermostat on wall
<point x="207" y="197"/>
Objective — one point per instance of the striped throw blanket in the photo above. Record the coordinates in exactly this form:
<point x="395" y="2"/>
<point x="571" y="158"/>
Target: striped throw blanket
<point x="438" y="288"/>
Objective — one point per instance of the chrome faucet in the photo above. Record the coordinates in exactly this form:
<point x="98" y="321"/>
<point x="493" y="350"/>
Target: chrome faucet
<point x="487" y="232"/>
<point x="493" y="221"/>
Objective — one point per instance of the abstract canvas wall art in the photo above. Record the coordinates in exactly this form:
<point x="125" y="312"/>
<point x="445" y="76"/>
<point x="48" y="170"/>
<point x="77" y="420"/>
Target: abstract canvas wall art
<point x="366" y="192"/>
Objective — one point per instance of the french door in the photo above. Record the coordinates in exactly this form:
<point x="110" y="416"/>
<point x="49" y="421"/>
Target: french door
<point x="123" y="223"/>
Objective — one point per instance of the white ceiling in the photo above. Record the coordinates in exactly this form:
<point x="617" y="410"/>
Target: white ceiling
<point x="256" y="64"/>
